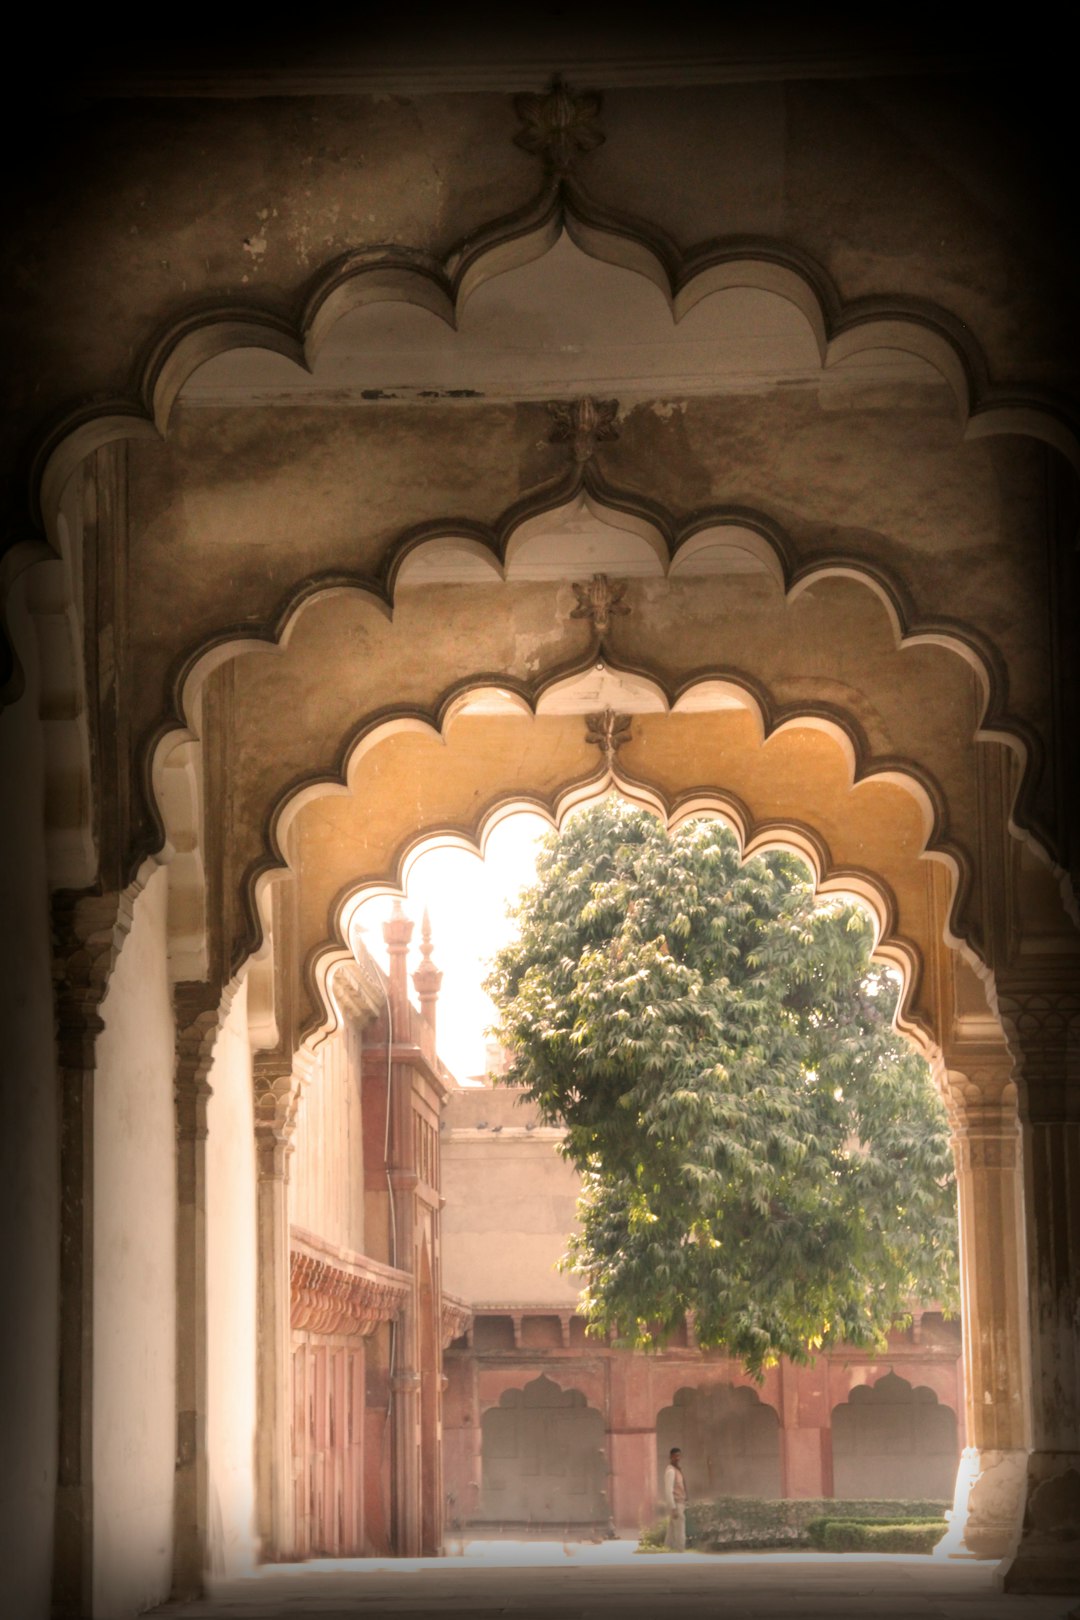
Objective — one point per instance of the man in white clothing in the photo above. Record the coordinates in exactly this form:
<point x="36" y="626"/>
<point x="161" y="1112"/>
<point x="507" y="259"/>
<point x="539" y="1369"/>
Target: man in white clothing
<point x="675" y="1500"/>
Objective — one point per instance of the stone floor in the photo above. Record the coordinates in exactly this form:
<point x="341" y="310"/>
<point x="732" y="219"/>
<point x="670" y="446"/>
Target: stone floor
<point x="578" y="1581"/>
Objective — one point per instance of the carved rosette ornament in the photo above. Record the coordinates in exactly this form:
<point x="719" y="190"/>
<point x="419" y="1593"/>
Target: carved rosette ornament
<point x="559" y="126"/>
<point x="582" y="424"/>
<point x="601" y="601"/>
<point x="608" y="731"/>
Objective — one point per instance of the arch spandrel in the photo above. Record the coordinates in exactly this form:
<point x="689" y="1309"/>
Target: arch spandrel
<point x="296" y="710"/>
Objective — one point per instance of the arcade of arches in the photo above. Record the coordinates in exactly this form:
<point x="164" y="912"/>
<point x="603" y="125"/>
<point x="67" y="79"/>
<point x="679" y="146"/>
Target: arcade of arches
<point x="399" y="458"/>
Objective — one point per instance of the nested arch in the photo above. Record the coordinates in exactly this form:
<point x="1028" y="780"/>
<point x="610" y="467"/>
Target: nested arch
<point x="378" y="828"/>
<point x="380" y="655"/>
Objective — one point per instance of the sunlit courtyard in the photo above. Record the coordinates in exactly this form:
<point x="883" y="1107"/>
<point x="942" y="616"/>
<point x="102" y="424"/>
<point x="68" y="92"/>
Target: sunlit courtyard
<point x="579" y="1581"/>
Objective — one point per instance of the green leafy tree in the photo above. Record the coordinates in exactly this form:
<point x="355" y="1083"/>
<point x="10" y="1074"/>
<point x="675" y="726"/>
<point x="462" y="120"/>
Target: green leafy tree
<point x="756" y="1142"/>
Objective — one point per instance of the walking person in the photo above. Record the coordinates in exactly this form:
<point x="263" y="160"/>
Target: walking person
<point x="675" y="1501"/>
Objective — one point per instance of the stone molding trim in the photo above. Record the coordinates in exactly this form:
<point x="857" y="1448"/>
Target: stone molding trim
<point x="336" y="1291"/>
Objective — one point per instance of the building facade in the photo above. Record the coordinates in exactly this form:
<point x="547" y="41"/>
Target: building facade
<point x="544" y="1426"/>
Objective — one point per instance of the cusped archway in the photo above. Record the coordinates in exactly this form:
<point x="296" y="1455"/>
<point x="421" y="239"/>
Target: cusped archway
<point x="729" y="1438"/>
<point x="543" y="1459"/>
<point x="893" y="1439"/>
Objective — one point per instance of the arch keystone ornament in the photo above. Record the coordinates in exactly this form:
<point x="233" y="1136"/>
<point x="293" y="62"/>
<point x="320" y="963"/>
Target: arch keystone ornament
<point x="600" y="601"/>
<point x="609" y="732"/>
<point x="582" y="424"/>
<point x="559" y="126"/>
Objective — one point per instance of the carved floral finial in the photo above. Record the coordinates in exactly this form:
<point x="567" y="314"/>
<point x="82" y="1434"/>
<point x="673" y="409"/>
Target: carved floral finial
<point x="600" y="601"/>
<point x="559" y="126"/>
<point x="583" y="424"/>
<point x="608" y="731"/>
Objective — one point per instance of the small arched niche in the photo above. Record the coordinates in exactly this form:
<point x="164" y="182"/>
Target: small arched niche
<point x="895" y="1441"/>
<point x="730" y="1442"/>
<point x="542" y="1458"/>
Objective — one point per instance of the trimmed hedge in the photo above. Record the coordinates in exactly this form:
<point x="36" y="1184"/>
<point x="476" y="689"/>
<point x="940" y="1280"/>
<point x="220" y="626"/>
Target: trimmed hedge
<point x="748" y="1522"/>
<point x="857" y="1535"/>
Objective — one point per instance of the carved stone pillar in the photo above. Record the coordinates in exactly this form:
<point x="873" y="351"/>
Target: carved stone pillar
<point x="985" y="1520"/>
<point x="405" y="1381"/>
<point x="1041" y="1014"/>
<point x="200" y="1011"/>
<point x="274" y="1118"/>
<point x="88" y="934"/>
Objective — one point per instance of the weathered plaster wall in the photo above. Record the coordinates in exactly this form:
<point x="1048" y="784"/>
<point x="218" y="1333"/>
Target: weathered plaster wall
<point x="29" y="1163"/>
<point x="230" y="1287"/>
<point x="872" y="178"/>
<point x="510" y="1204"/>
<point x="135" y="1273"/>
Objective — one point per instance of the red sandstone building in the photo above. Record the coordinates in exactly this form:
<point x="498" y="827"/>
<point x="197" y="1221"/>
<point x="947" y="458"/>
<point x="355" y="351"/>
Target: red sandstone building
<point x="441" y="1377"/>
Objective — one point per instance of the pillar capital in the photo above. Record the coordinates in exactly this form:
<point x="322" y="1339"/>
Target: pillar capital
<point x="277" y="1094"/>
<point x="980" y="1097"/>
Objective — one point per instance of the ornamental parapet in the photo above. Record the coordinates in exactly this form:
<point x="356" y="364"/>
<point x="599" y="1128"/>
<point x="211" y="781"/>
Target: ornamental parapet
<point x="337" y="1291"/>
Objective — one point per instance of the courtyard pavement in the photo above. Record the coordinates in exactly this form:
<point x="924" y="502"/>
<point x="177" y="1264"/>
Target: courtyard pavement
<point x="537" y="1580"/>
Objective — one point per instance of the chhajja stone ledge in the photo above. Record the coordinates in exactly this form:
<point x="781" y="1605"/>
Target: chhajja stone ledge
<point x="334" y="1290"/>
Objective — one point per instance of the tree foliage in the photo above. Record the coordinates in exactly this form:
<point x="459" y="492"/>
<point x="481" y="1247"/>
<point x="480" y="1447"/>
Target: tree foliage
<point x="757" y="1144"/>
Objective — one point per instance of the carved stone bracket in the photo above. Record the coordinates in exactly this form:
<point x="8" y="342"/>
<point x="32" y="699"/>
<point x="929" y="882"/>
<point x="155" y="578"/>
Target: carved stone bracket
<point x="201" y="1010"/>
<point x="582" y="424"/>
<point x="88" y="934"/>
<point x="348" y="1296"/>
<point x="601" y="601"/>
<point x="608" y="731"/>
<point x="277" y="1097"/>
<point x="456" y="1319"/>
<point x="559" y="126"/>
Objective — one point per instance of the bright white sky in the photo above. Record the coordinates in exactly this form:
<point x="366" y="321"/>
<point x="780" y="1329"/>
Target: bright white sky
<point x="467" y="898"/>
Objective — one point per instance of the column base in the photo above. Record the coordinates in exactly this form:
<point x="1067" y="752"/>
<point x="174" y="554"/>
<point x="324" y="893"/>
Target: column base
<point x="1047" y="1559"/>
<point x="987" y="1505"/>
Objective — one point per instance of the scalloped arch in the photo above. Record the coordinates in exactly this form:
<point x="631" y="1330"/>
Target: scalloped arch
<point x="365" y="276"/>
<point x="868" y="889"/>
<point x="654" y="526"/>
